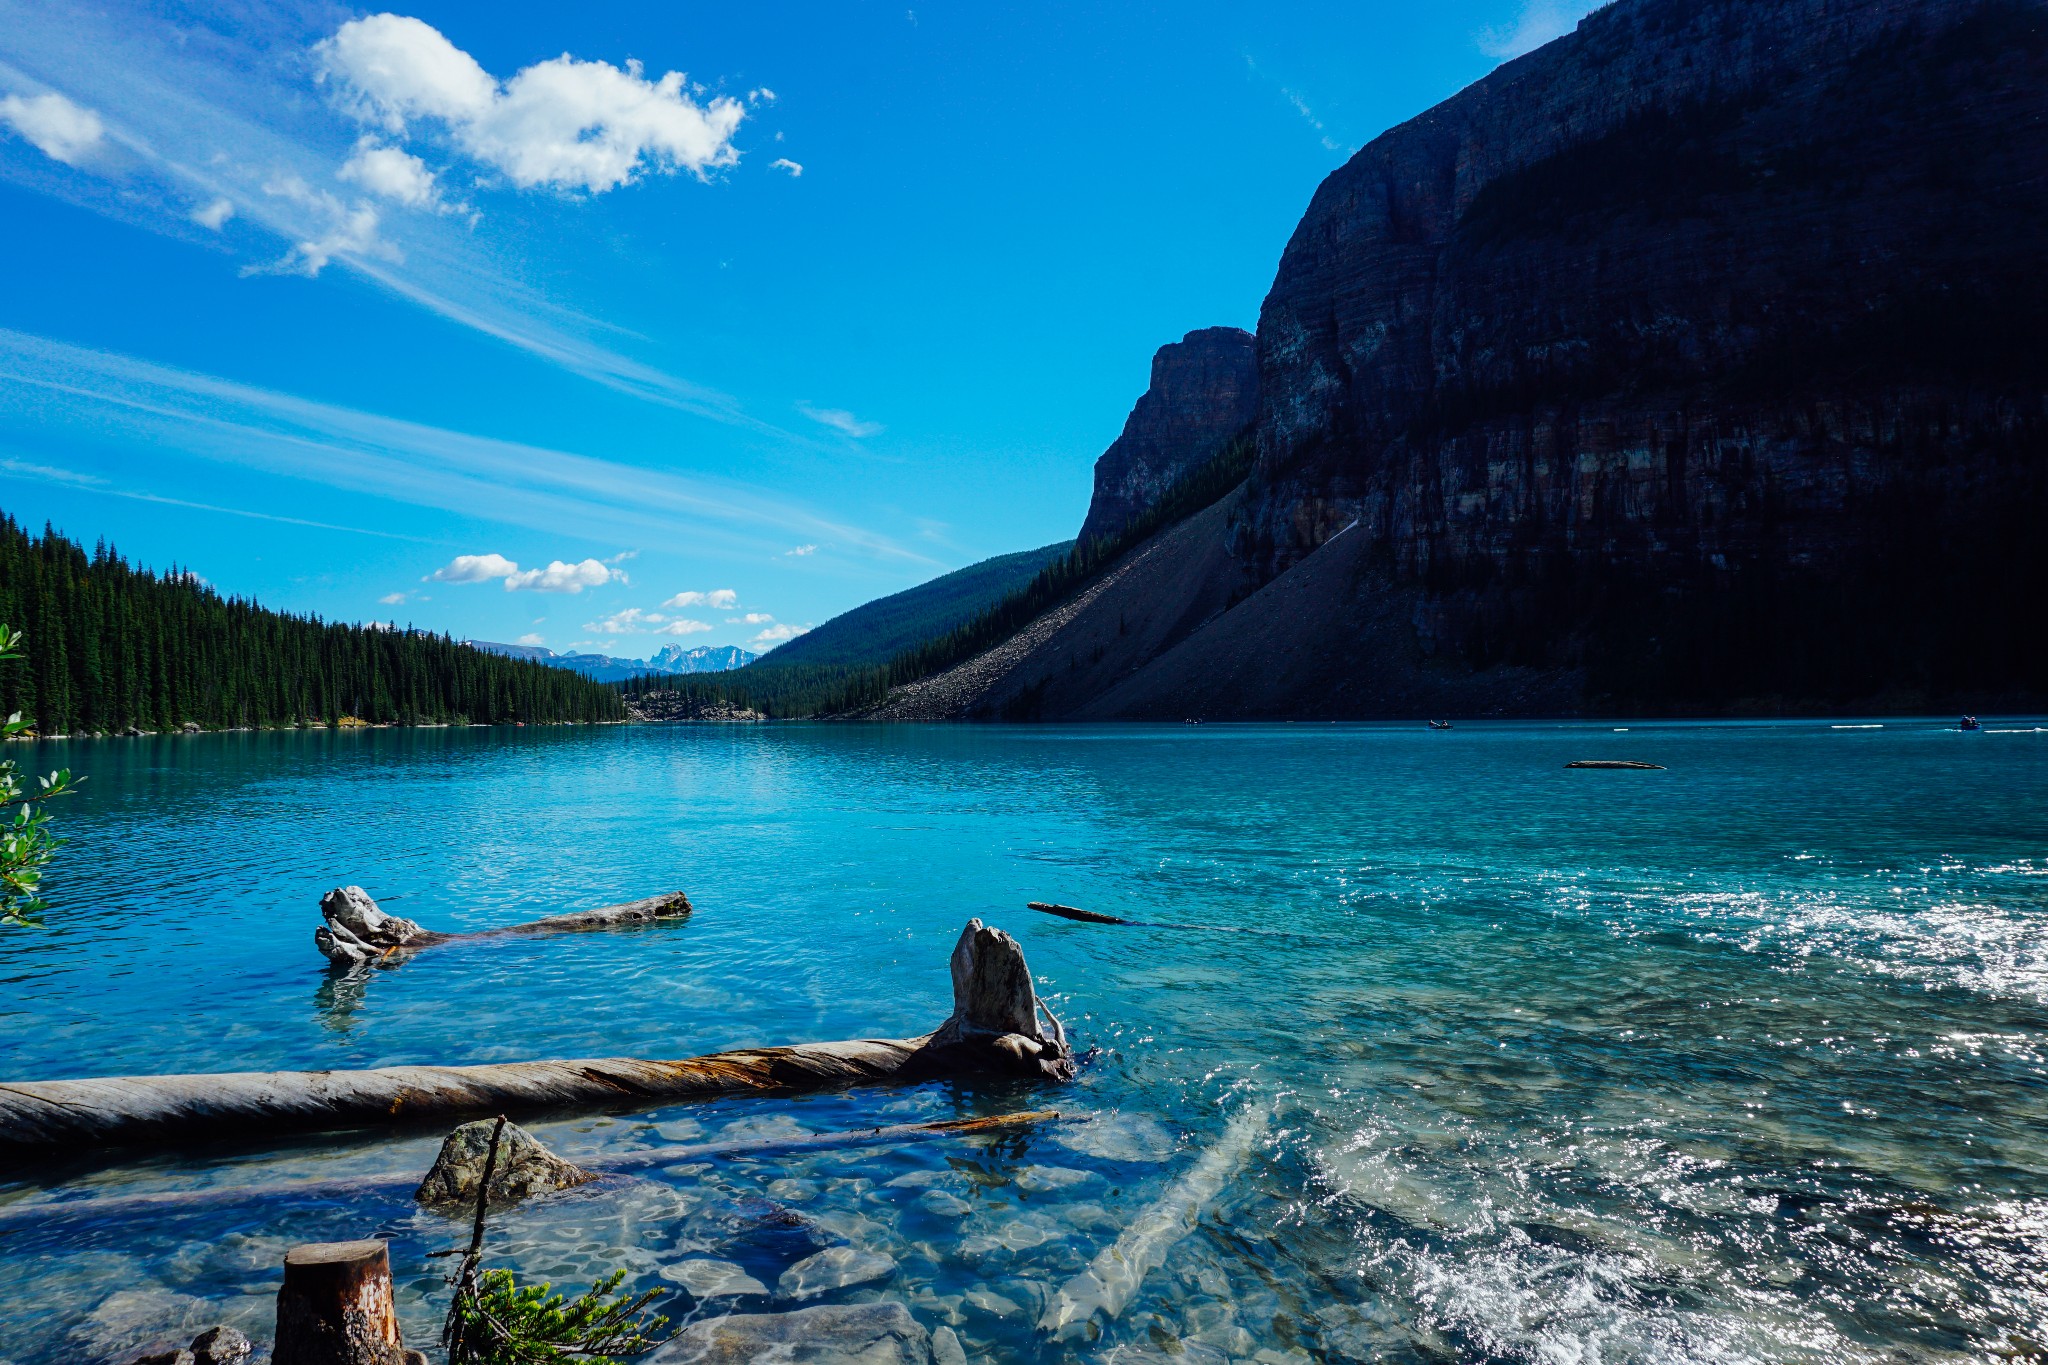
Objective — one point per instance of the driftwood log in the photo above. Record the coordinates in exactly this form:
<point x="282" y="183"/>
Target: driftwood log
<point x="998" y="1025"/>
<point x="358" y="930"/>
<point x="1072" y="912"/>
<point x="1616" y="763"/>
<point x="42" y="1212"/>
<point x="335" y="1307"/>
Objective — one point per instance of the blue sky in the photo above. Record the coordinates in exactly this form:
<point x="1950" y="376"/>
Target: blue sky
<point x="611" y="326"/>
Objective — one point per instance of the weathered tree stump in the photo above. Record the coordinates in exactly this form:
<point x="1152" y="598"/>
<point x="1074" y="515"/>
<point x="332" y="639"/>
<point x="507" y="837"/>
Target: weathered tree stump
<point x="359" y="931"/>
<point x="335" y="1307"/>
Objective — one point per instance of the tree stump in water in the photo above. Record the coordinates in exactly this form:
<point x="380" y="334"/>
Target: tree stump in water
<point x="996" y="1021"/>
<point x="335" y="1307"/>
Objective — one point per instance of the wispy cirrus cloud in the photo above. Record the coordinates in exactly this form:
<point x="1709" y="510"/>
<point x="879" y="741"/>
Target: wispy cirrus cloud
<point x="840" y="420"/>
<point x="181" y="138"/>
<point x="183" y="414"/>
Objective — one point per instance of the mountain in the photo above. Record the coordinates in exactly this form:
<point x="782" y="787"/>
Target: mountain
<point x="113" y="648"/>
<point x="877" y="632"/>
<point x="670" y="659"/>
<point x="1695" y="362"/>
<point x="1204" y="390"/>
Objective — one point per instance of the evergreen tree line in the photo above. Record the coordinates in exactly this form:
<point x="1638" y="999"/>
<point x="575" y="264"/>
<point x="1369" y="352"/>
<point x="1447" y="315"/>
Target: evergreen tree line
<point x="113" y="647"/>
<point x="829" y="690"/>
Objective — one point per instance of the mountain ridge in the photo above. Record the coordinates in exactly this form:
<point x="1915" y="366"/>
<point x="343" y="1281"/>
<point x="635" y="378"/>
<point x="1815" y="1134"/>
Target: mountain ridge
<point x="1665" y="368"/>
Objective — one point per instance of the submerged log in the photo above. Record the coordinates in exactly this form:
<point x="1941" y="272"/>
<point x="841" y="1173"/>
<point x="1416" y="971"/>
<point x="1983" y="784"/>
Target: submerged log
<point x="321" y="1187"/>
<point x="358" y="930"/>
<point x="998" y="1025"/>
<point x="335" y="1307"/>
<point x="1616" y="763"/>
<point x="1111" y="1280"/>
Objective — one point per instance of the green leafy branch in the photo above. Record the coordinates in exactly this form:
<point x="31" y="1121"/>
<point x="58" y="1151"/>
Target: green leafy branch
<point x="26" y="844"/>
<point x="496" y="1321"/>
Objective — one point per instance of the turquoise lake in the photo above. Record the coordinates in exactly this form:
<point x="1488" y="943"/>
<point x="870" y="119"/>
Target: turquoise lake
<point x="1488" y="1059"/>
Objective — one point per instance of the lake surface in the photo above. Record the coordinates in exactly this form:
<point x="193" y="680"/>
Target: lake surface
<point x="1738" y="1061"/>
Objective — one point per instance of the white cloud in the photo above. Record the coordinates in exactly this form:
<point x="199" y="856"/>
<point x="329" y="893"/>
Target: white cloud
<point x="61" y="130"/>
<point x="474" y="569"/>
<point x="684" y="626"/>
<point x="560" y="577"/>
<point x="564" y="123"/>
<point x="531" y="639"/>
<point x="775" y="635"/>
<point x="724" y="599"/>
<point x="214" y="216"/>
<point x="839" y="419"/>
<point x="752" y="618"/>
<point x="391" y="67"/>
<point x="762" y="94"/>
<point x="1539" y="22"/>
<point x="800" y="550"/>
<point x="391" y="599"/>
<point x="350" y="230"/>
<point x="392" y="174"/>
<point x="783" y="163"/>
<point x="631" y="621"/>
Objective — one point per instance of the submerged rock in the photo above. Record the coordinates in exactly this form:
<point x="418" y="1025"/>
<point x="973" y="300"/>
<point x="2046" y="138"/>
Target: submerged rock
<point x="832" y="1334"/>
<point x="834" y="1268"/>
<point x="710" y="1279"/>
<point x="221" y="1346"/>
<point x="524" y="1169"/>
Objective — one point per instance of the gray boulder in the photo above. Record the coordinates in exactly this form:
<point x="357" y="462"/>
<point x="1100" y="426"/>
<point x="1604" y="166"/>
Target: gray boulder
<point x="524" y="1169"/>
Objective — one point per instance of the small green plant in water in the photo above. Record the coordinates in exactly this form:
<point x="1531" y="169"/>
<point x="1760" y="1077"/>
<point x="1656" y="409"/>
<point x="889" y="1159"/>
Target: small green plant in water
<point x="495" y="1321"/>
<point x="26" y="844"/>
<point x="505" y="1323"/>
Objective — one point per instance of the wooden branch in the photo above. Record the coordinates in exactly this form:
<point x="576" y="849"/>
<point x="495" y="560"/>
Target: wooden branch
<point x="1085" y="916"/>
<point x="317" y="1187"/>
<point x="335" y="1307"/>
<point x="1615" y="763"/>
<point x="359" y="931"/>
<point x="995" y="1028"/>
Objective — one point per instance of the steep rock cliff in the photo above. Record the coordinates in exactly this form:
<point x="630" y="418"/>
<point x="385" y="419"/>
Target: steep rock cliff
<point x="1697" y="361"/>
<point x="1702" y="350"/>
<point x="1204" y="391"/>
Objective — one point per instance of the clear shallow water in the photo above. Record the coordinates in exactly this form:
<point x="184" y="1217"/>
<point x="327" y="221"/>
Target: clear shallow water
<point x="1740" y="1061"/>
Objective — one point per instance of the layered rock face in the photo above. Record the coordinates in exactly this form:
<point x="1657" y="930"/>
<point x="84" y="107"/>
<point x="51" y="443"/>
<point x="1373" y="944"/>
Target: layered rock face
<point x="1204" y="391"/>
<point x="1702" y="350"/>
<point x="1696" y="362"/>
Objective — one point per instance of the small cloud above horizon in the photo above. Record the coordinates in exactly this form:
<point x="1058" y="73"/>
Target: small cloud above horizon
<point x="558" y="576"/>
<point x="531" y="639"/>
<point x="721" y="599"/>
<point x="800" y="551"/>
<point x="391" y="599"/>
<point x="775" y="635"/>
<point x="783" y="163"/>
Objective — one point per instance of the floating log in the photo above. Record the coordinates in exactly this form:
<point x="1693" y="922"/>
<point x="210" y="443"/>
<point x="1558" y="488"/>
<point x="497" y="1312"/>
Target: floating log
<point x="998" y="1025"/>
<point x="1111" y="1280"/>
<point x="1615" y="763"/>
<point x="358" y="930"/>
<point x="338" y="1187"/>
<point x="1069" y="912"/>
<point x="335" y="1307"/>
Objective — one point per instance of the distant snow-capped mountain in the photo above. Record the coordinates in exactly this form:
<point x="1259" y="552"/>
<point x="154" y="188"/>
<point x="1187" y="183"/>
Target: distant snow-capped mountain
<point x="605" y="668"/>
